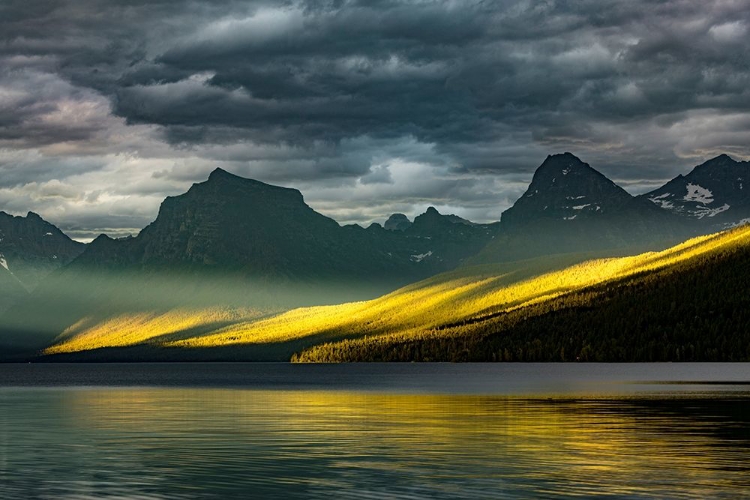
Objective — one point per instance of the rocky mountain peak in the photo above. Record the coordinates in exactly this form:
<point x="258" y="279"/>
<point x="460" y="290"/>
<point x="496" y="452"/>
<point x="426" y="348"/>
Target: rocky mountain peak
<point x="397" y="222"/>
<point x="716" y="191"/>
<point x="566" y="188"/>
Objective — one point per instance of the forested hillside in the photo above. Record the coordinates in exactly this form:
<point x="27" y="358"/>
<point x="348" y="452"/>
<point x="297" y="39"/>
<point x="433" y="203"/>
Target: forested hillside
<point x="697" y="309"/>
<point x="627" y="308"/>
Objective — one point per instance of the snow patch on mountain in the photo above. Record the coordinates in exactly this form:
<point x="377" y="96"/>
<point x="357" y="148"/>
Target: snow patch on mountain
<point x="698" y="194"/>
<point x="4" y="262"/>
<point x="708" y="212"/>
<point x="421" y="256"/>
<point x="737" y="224"/>
<point x="661" y="196"/>
<point x="667" y="205"/>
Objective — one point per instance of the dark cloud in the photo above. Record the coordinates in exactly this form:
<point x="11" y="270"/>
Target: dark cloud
<point x="329" y="94"/>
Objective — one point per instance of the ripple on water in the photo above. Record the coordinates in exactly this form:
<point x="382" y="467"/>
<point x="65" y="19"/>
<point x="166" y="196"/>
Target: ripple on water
<point x="180" y="443"/>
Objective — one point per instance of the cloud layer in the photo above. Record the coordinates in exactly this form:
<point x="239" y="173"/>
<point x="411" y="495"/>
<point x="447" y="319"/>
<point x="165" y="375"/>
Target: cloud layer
<point x="367" y="107"/>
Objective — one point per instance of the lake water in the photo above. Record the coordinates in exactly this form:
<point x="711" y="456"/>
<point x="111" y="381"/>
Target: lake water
<point x="267" y="430"/>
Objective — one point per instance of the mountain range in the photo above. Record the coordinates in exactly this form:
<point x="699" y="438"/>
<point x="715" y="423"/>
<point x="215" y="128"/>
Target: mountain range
<point x="229" y="224"/>
<point x="570" y="207"/>
<point x="241" y="243"/>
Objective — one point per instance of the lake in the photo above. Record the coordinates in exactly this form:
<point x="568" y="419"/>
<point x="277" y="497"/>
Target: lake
<point x="412" y="431"/>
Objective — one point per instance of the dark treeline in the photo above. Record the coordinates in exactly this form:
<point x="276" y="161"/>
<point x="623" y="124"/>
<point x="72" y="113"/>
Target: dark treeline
<point x="695" y="311"/>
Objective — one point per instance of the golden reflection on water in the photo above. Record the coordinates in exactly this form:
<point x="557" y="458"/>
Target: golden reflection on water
<point x="202" y="443"/>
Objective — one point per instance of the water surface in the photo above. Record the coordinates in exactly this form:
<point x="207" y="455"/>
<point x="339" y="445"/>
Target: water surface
<point x="374" y="431"/>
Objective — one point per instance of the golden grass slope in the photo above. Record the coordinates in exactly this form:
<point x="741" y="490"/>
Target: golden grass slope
<point x="147" y="327"/>
<point x="461" y="295"/>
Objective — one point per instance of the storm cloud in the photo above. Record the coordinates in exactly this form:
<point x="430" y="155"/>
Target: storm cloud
<point x="367" y="107"/>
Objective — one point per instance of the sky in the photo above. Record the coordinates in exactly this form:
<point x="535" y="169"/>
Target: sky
<point x="367" y="107"/>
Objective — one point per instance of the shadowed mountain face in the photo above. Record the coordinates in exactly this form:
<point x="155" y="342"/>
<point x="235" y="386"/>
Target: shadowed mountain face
<point x="31" y="248"/>
<point x="397" y="222"/>
<point x="715" y="194"/>
<point x="570" y="207"/>
<point x="564" y="188"/>
<point x="232" y="224"/>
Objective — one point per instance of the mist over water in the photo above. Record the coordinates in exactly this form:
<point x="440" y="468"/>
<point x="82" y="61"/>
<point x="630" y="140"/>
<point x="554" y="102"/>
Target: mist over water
<point x="375" y="431"/>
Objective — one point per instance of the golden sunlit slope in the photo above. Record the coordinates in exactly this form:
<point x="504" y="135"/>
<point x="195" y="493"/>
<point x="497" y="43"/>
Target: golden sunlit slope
<point x="687" y="304"/>
<point x="161" y="325"/>
<point x="135" y="328"/>
<point x="448" y="299"/>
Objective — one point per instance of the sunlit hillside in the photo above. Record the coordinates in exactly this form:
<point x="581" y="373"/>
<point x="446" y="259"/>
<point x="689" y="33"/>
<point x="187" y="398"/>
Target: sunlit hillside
<point x="148" y="326"/>
<point x="430" y="307"/>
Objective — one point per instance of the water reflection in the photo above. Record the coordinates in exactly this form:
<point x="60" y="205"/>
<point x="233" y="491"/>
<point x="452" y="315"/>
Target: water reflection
<point x="213" y="443"/>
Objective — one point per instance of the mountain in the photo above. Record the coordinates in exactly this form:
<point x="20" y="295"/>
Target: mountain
<point x="397" y="222"/>
<point x="229" y="223"/>
<point x="32" y="248"/>
<point x="249" y="228"/>
<point x="570" y="207"/>
<point x="564" y="189"/>
<point x="446" y="239"/>
<point x="713" y="195"/>
<point x="227" y="250"/>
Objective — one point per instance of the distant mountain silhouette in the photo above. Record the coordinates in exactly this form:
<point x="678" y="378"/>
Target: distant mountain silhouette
<point x="397" y="222"/>
<point x="715" y="194"/>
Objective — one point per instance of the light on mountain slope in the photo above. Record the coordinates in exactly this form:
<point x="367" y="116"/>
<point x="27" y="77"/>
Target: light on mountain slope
<point x="449" y="299"/>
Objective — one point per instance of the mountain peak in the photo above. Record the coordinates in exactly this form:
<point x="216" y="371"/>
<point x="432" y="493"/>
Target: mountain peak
<point x="563" y="164"/>
<point x="220" y="177"/>
<point x="397" y="222"/>
<point x="220" y="173"/>
<point x="723" y="160"/>
<point x="567" y="155"/>
<point x="715" y="192"/>
<point x="723" y="157"/>
<point x="566" y="188"/>
<point x="33" y="247"/>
